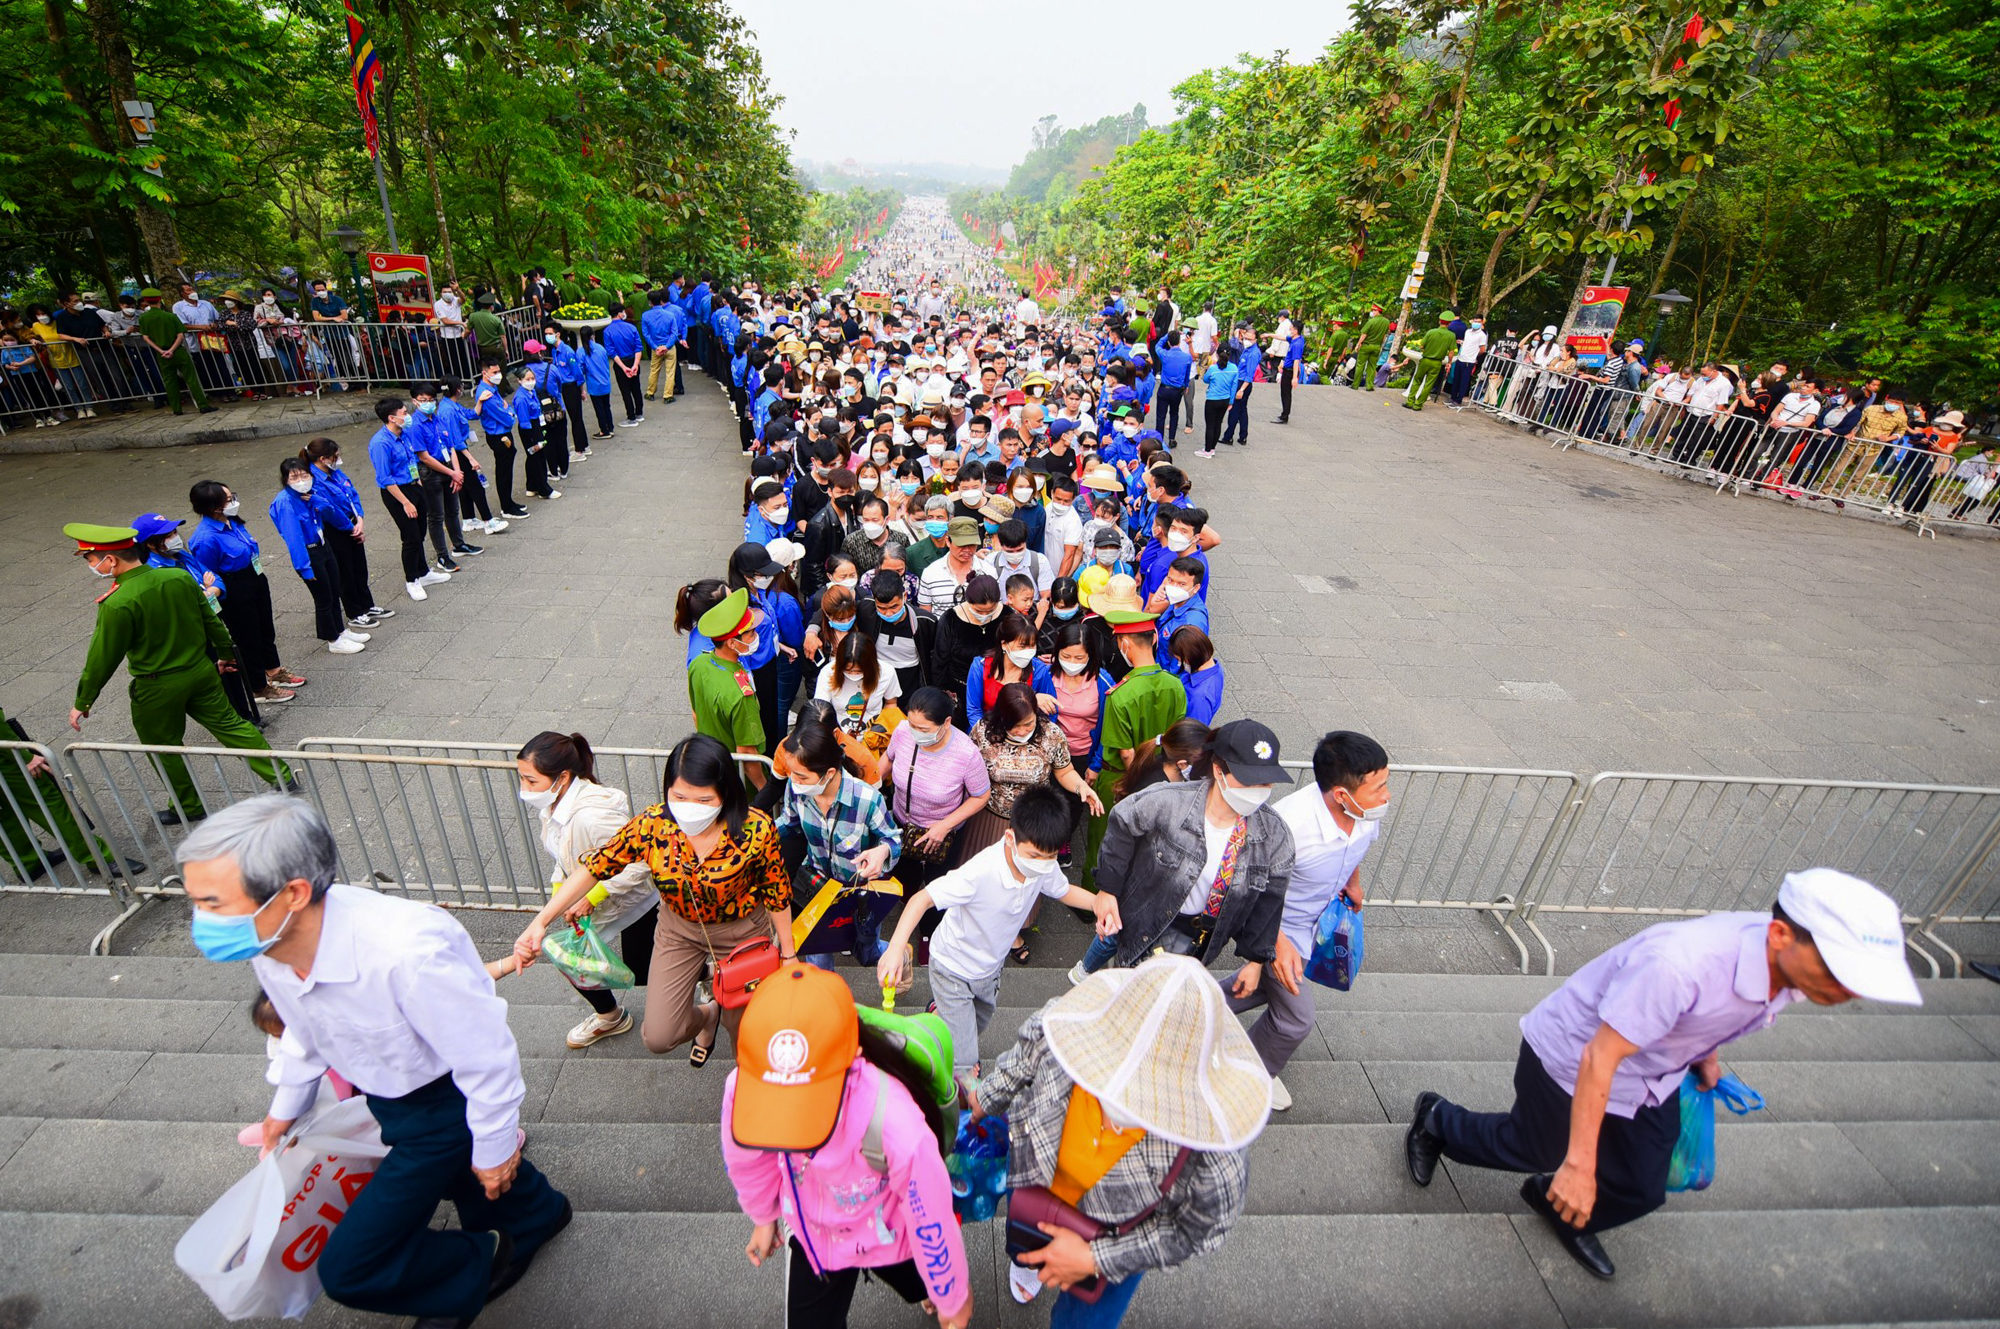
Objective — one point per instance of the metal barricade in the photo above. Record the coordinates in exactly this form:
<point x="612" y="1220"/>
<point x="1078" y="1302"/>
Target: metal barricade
<point x="1683" y="845"/>
<point x="1465" y="837"/>
<point x="48" y="845"/>
<point x="639" y="772"/>
<point x="1735" y="453"/>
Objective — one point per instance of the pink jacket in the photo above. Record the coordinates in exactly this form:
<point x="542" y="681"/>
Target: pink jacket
<point x="845" y="1214"/>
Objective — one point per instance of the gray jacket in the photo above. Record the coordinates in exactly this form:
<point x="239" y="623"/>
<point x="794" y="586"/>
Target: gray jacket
<point x="1154" y="851"/>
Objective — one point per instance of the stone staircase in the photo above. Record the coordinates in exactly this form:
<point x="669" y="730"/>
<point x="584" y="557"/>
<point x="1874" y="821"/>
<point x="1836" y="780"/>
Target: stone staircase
<point x="1867" y="1192"/>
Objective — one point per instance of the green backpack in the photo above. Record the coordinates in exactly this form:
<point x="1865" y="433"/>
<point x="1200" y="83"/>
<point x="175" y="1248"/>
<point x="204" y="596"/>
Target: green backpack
<point x="924" y="1042"/>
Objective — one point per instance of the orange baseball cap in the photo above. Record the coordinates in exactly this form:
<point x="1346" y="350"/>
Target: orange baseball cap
<point x="798" y="1039"/>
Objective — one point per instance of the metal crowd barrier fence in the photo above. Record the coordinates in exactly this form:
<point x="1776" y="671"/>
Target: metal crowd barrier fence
<point x="1681" y="845"/>
<point x="1736" y="453"/>
<point x="287" y="359"/>
<point x="1464" y="837"/>
<point x="48" y="845"/>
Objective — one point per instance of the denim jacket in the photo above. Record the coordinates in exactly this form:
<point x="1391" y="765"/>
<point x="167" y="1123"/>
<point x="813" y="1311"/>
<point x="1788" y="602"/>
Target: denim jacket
<point x="1154" y="851"/>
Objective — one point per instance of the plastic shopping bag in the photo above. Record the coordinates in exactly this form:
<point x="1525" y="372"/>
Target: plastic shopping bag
<point x="978" y="1168"/>
<point x="255" y="1252"/>
<point x="1337" y="946"/>
<point x="583" y="957"/>
<point x="1693" y="1165"/>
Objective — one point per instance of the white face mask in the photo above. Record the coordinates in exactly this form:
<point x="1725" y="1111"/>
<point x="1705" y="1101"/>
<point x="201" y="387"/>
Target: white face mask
<point x="1376" y="813"/>
<point x="692" y="818"/>
<point x="776" y="516"/>
<point x="1024" y="494"/>
<point x="807" y="790"/>
<point x="1245" y="799"/>
<point x="1108" y="555"/>
<point x="1074" y="666"/>
<point x="1175" y="594"/>
<point x="300" y="485"/>
<point x="1028" y="737"/>
<point x="929" y="738"/>
<point x="175" y="544"/>
<point x="1179" y="543"/>
<point x="869" y="484"/>
<point x="919" y="434"/>
<point x="95" y="571"/>
<point x="972" y="497"/>
<point x="539" y="798"/>
<point x="873" y="529"/>
<point x="761" y="583"/>
<point x="232" y="507"/>
<point x="1032" y="867"/>
<point x="932" y="450"/>
<point x="848" y="583"/>
<point x="1019" y="659"/>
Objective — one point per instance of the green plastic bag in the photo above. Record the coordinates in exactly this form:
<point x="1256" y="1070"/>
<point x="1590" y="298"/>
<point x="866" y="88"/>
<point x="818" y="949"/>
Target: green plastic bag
<point x="583" y="957"/>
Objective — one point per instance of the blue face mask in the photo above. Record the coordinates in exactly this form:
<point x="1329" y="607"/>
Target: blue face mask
<point x="838" y="625"/>
<point x="909" y="486"/>
<point x="227" y="937"/>
<point x="1065" y="614"/>
<point x="936" y="529"/>
<point x="896" y="617"/>
<point x="427" y="407"/>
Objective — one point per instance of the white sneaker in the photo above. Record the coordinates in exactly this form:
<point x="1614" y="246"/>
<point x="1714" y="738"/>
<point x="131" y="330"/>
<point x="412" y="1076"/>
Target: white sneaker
<point x="555" y="494"/>
<point x="495" y="526"/>
<point x="1077" y="974"/>
<point x="352" y="635"/>
<point x="416" y="590"/>
<point x="344" y="646"/>
<point x="1281" y="1097"/>
<point x="597" y="1026"/>
<point x="1023" y="1282"/>
<point x="628" y="424"/>
<point x="434" y="578"/>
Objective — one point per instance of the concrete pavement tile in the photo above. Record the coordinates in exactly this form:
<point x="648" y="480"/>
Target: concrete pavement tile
<point x="125" y="1167"/>
<point x="109" y="1023"/>
<point x="1871" y="1091"/>
<point x="1941" y="1162"/>
<point x="40" y="1082"/>
<point x="14" y="1132"/>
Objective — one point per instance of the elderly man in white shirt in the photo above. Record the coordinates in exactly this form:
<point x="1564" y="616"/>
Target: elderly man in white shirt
<point x="392" y="994"/>
<point x="1333" y="820"/>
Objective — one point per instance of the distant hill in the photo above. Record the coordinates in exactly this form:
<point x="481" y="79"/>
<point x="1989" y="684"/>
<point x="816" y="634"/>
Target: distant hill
<point x="1061" y="159"/>
<point x="905" y="177"/>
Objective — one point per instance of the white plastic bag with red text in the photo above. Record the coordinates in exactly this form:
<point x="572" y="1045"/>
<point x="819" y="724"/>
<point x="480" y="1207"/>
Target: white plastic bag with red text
<point x="256" y="1251"/>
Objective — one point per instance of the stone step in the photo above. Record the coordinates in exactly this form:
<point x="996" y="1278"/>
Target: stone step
<point x="1676" y="1268"/>
<point x="61" y="1165"/>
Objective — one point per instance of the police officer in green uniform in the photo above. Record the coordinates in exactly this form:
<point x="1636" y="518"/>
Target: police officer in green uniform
<point x="156" y="622"/>
<point x="1369" y="348"/>
<point x="1145" y="704"/>
<point x="1437" y="347"/>
<point x="31" y="793"/>
<point x="719" y="687"/>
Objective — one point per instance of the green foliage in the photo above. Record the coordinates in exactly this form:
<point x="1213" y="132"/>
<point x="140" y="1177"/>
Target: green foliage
<point x="604" y="135"/>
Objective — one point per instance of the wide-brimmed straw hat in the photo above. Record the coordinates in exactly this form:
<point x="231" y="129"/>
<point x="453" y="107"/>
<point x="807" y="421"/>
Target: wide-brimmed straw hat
<point x="1158" y="1047"/>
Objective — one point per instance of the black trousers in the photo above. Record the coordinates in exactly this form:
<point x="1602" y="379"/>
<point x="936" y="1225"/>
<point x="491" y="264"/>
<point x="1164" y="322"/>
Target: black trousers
<point x="1632" y="1154"/>
<point x="632" y="388"/>
<point x="385" y="1256"/>
<point x="635" y="947"/>
<point x="1237" y="427"/>
<point x="535" y="447"/>
<point x="602" y="405"/>
<point x="1285" y="377"/>
<point x="472" y="494"/>
<point x="503" y="470"/>
<point x="328" y="621"/>
<point x="572" y="396"/>
<point x="246" y="612"/>
<point x="815" y="1302"/>
<point x="1213" y="413"/>
<point x="352" y="556"/>
<point x="410" y="528"/>
<point x="1167" y="412"/>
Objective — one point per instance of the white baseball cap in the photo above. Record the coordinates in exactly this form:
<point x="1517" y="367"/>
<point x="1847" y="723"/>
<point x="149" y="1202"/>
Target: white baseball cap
<point x="785" y="552"/>
<point x="1858" y="930"/>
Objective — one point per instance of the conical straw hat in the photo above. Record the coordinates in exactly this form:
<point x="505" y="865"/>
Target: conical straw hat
<point x="1159" y="1048"/>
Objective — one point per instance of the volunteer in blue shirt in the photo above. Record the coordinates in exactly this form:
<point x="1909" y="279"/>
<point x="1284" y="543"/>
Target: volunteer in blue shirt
<point x="662" y="328"/>
<point x="493" y="405"/>
<point x="1220" y="382"/>
<point x="1175" y="366"/>
<point x="1177" y="605"/>
<point x="527" y="408"/>
<point x="395" y="463"/>
<point x="337" y="503"/>
<point x="597" y="383"/>
<point x="1288" y="373"/>
<point x="565" y="382"/>
<point x="222" y="544"/>
<point x="293" y="513"/>
<point x="626" y="348"/>
<point x="457" y="421"/>
<point x="1248" y="357"/>
<point x="441" y="478"/>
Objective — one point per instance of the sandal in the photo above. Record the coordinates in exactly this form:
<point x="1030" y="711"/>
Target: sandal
<point x="1020" y="951"/>
<point x="698" y="1054"/>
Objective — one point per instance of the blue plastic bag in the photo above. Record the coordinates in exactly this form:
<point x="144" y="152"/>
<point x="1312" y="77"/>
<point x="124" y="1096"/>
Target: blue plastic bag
<point x="1693" y="1165"/>
<point x="978" y="1167"/>
<point x="1337" y="946"/>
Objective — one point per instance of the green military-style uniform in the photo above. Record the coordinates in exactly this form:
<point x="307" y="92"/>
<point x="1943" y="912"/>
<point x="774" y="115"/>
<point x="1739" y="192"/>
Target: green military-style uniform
<point x="160" y="326"/>
<point x="1368" y="349"/>
<point x="40" y="801"/>
<point x="1145" y="704"/>
<point x="157" y="623"/>
<point x="1437" y="347"/>
<point x="725" y="703"/>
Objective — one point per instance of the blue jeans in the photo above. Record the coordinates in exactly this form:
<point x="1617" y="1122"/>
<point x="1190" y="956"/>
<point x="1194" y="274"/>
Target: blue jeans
<point x="1109" y="1312"/>
<point x="1100" y="953"/>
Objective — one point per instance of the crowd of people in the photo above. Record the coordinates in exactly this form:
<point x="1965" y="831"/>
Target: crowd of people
<point x="959" y="668"/>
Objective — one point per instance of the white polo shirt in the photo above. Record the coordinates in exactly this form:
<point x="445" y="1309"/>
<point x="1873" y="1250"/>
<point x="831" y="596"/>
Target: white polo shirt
<point x="984" y="906"/>
<point x="1323" y="858"/>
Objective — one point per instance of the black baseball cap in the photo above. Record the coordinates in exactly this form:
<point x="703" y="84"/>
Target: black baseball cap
<point x="1250" y="751"/>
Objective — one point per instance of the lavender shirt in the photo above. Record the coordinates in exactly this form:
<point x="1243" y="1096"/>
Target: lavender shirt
<point x="946" y="776"/>
<point x="1678" y="990"/>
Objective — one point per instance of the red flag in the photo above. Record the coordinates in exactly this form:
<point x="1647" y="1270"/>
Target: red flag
<point x="1672" y="110"/>
<point x="997" y="245"/>
<point x="364" y="69"/>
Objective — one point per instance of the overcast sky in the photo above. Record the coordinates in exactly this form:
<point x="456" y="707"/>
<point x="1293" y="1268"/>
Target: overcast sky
<point x="971" y="79"/>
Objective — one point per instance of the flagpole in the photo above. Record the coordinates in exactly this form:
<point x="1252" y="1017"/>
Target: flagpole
<point x="382" y="185"/>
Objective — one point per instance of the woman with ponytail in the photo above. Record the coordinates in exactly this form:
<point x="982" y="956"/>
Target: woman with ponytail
<point x="578" y="817"/>
<point x="338" y="504"/>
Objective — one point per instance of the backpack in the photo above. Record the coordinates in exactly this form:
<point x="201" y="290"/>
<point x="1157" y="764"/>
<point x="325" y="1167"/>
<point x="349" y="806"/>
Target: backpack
<point x="924" y="1043"/>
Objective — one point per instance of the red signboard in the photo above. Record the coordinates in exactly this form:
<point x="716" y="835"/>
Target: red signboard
<point x="402" y="283"/>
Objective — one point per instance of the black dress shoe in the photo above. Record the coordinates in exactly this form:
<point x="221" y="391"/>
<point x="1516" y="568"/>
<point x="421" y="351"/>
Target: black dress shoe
<point x="1583" y="1247"/>
<point x="37" y="869"/>
<point x="1421" y="1148"/>
<point x="507" y="1270"/>
<point x="172" y="817"/>
<point x="1985" y="970"/>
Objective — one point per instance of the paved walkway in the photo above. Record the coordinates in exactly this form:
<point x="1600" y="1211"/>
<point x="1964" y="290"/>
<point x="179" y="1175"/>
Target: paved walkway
<point x="1460" y="590"/>
<point x="148" y="426"/>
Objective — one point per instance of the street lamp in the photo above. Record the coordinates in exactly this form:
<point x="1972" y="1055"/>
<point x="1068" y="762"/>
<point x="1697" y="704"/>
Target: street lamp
<point x="351" y="241"/>
<point x="1665" y="303"/>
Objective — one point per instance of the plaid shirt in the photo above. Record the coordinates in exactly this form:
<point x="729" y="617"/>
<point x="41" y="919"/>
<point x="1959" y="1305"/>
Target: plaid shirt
<point x="1028" y="1085"/>
<point x="858" y="822"/>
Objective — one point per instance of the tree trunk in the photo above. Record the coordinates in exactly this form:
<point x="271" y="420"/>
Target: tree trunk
<point x="403" y="12"/>
<point x="1673" y="243"/>
<point x="1763" y="258"/>
<point x="1444" y="179"/>
<point x="1486" y="297"/>
<point x="156" y="224"/>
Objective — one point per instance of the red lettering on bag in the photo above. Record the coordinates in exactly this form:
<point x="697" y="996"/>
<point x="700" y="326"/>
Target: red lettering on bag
<point x="351" y="1184"/>
<point x="305" y="1248"/>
